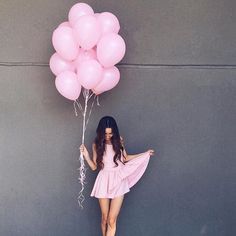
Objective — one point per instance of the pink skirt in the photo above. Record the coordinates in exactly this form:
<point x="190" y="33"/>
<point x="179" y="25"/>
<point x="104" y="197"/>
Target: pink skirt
<point x="116" y="181"/>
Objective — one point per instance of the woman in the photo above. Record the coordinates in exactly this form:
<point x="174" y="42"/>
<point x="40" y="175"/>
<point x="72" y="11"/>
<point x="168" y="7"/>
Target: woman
<point x="119" y="171"/>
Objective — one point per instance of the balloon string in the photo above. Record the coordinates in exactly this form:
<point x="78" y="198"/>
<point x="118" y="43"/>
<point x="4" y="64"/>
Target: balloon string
<point x="98" y="101"/>
<point x="91" y="108"/>
<point x="79" y="106"/>
<point x="82" y="177"/>
<point x="82" y="170"/>
<point x="86" y="93"/>
<point x="76" y="103"/>
<point x="91" y="95"/>
<point x="75" y="110"/>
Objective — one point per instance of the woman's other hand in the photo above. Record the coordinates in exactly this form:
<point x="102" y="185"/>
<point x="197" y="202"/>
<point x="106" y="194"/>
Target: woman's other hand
<point x="151" y="152"/>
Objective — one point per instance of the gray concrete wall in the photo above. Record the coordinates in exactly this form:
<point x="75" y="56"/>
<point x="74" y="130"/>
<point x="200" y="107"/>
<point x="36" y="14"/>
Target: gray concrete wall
<point x="177" y="95"/>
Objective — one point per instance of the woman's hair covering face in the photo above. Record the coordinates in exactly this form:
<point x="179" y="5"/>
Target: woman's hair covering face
<point x="108" y="122"/>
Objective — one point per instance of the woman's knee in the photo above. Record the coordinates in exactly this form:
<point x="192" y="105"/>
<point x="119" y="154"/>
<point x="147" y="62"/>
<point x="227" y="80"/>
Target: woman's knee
<point x="104" y="219"/>
<point x="112" y="221"/>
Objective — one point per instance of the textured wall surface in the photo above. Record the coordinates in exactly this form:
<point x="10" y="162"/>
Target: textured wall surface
<point x="177" y="95"/>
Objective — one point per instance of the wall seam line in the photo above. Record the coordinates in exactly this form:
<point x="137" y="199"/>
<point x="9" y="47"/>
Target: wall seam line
<point x="123" y="65"/>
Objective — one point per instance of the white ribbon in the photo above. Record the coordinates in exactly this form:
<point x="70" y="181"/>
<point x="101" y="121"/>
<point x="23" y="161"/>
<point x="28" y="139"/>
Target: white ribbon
<point x="82" y="170"/>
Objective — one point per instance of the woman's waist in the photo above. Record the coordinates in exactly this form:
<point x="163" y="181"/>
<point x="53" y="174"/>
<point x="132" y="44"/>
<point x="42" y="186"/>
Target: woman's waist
<point x="111" y="167"/>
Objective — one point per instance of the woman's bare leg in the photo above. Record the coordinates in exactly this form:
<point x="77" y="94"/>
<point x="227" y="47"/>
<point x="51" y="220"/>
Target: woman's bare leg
<point x="115" y="206"/>
<point x="104" y="205"/>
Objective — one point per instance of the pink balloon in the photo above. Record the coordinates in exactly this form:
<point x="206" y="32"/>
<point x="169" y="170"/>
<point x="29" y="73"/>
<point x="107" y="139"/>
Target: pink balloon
<point x="64" y="42"/>
<point x="68" y="85"/>
<point x="66" y="23"/>
<point x="110" y="49"/>
<point x="78" y="10"/>
<point x="87" y="31"/>
<point x="96" y="92"/>
<point x="85" y="55"/>
<point x="109" y="23"/>
<point x="89" y="73"/>
<point x="58" y="64"/>
<point x="110" y="78"/>
<point x="96" y="15"/>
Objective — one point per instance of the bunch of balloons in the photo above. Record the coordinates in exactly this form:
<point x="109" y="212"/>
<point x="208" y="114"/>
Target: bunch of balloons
<point x="87" y="48"/>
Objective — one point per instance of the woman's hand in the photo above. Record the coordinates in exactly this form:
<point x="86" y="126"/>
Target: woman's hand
<point x="151" y="152"/>
<point x="84" y="150"/>
<point x="92" y="163"/>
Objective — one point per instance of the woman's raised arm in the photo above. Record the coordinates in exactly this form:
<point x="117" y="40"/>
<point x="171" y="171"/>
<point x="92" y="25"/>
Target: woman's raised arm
<point x="129" y="157"/>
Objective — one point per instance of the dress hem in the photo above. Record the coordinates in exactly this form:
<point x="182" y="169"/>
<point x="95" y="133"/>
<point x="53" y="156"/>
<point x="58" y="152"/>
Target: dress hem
<point x="110" y="196"/>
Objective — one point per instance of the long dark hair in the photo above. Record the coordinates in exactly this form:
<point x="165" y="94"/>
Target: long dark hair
<point x="108" y="122"/>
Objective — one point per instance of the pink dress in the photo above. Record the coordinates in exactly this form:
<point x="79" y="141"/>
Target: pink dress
<point x="115" y="181"/>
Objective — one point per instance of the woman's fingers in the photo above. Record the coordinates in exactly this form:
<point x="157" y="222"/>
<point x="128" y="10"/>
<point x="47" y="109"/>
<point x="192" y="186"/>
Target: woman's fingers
<point x="82" y="148"/>
<point x="151" y="152"/>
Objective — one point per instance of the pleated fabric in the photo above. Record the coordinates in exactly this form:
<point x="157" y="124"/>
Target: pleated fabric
<point x="113" y="181"/>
